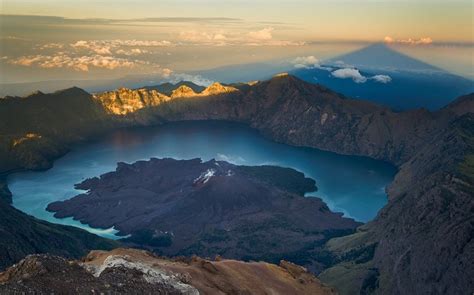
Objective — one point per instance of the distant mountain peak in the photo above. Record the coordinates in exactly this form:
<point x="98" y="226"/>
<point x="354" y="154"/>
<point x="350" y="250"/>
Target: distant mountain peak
<point x="71" y="91"/>
<point x="167" y="88"/>
<point x="37" y="92"/>
<point x="279" y="75"/>
<point x="217" y="88"/>
<point x="183" y="91"/>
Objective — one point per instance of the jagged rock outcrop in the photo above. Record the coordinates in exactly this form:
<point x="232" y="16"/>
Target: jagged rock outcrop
<point x="128" y="271"/>
<point x="186" y="207"/>
<point x="124" y="101"/>
<point x="217" y="89"/>
<point x="183" y="91"/>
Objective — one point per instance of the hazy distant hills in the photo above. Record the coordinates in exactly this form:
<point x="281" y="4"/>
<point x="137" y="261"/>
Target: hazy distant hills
<point x="168" y="88"/>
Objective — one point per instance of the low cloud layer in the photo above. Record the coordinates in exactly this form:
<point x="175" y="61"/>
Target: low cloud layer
<point x="196" y="79"/>
<point x="107" y="47"/>
<point x="409" y="41"/>
<point x="261" y="37"/>
<point x="309" y="62"/>
<point x="78" y="63"/>
<point x="349" y="73"/>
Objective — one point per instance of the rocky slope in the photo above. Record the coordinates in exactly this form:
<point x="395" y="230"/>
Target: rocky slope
<point x="186" y="207"/>
<point x="124" y="101"/>
<point x="127" y="271"/>
<point x="22" y="234"/>
<point x="429" y="214"/>
<point x="33" y="131"/>
<point x="37" y="128"/>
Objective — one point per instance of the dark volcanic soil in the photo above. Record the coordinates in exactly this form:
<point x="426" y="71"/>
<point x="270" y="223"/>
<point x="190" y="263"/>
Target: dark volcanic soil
<point x="184" y="207"/>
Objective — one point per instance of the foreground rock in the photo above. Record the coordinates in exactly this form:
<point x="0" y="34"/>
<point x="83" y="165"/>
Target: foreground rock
<point x="185" y="207"/>
<point x="127" y="271"/>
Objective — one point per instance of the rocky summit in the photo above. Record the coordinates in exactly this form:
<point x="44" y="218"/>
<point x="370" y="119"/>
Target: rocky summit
<point x="128" y="271"/>
<point x="186" y="207"/>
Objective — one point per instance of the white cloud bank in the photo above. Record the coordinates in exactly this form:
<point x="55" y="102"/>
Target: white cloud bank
<point x="79" y="63"/>
<point x="357" y="77"/>
<point x="349" y="73"/>
<point x="262" y="37"/>
<point x="309" y="62"/>
<point x="409" y="41"/>
<point x="384" y="79"/>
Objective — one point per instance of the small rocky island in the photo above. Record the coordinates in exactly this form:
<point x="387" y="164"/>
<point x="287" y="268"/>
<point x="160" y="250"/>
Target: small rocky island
<point x="186" y="207"/>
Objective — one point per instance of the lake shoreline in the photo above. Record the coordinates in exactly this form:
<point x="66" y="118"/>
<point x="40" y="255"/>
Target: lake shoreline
<point x="224" y="128"/>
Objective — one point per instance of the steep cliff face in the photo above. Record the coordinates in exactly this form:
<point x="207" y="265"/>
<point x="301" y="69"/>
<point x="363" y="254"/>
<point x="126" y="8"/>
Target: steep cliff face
<point x="22" y="234"/>
<point x="37" y="128"/>
<point x="126" y="101"/>
<point x="128" y="271"/>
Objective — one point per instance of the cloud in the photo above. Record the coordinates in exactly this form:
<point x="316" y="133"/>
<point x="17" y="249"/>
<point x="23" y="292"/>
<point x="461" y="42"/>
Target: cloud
<point x="188" y="20"/>
<point x="342" y="64"/>
<point x="106" y="47"/>
<point x="409" y="41"/>
<point x="93" y="46"/>
<point x="56" y="20"/>
<point x="261" y="37"/>
<point x="384" y="79"/>
<point x="78" y="63"/>
<point x="196" y="79"/>
<point x="309" y="62"/>
<point x="349" y="73"/>
<point x="263" y="34"/>
<point x="143" y="43"/>
<point x="133" y="51"/>
<point x="357" y="77"/>
<point x="202" y="37"/>
<point x="52" y="46"/>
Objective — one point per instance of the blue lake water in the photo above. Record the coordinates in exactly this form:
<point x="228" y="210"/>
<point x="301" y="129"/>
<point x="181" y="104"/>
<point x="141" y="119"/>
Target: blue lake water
<point x="348" y="184"/>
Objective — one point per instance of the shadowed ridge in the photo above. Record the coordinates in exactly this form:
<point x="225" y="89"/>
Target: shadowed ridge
<point x="461" y="105"/>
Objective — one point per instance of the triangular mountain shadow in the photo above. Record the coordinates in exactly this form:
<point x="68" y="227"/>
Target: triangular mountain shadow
<point x="381" y="56"/>
<point x="411" y="83"/>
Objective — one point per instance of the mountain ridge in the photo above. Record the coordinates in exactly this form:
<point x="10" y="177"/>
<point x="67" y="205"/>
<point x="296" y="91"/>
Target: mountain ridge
<point x="433" y="151"/>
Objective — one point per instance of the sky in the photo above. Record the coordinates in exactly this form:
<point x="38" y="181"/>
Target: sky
<point x="65" y="39"/>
